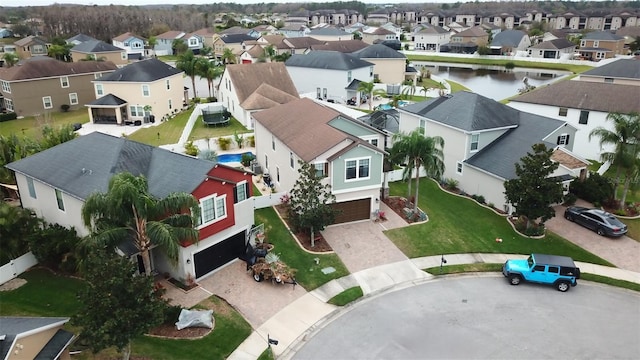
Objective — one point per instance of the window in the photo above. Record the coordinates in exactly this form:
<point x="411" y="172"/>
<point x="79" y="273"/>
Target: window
<point x="212" y="208"/>
<point x="318" y="93"/>
<point x="291" y="163"/>
<point x="99" y="90"/>
<point x="320" y="169"/>
<point x="596" y="44"/>
<point x="32" y="188"/>
<point x="168" y="84"/>
<point x="266" y="162"/>
<point x="73" y="99"/>
<point x="563" y="139"/>
<point x="273" y="143"/>
<point x="458" y="167"/>
<point x="553" y="269"/>
<point x="193" y="42"/>
<point x="145" y="90"/>
<point x="278" y="173"/>
<point x="170" y="104"/>
<point x="538" y="268"/>
<point x="423" y="125"/>
<point x="59" y="200"/>
<point x="373" y="142"/>
<point x="562" y="111"/>
<point x="46" y="101"/>
<point x="6" y="87"/>
<point x="97" y="75"/>
<point x="357" y="169"/>
<point x="64" y="81"/>
<point x="123" y="55"/>
<point x="370" y="71"/>
<point x="8" y="103"/>
<point x="349" y="76"/>
<point x="324" y="93"/>
<point x="608" y="80"/>
<point x="241" y="192"/>
<point x="136" y="110"/>
<point x="474" y="142"/>
<point x="584" y="117"/>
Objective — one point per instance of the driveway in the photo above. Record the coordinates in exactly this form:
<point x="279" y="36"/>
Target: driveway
<point x="622" y="252"/>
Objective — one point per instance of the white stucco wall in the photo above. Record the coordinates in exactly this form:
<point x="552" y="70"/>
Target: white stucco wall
<point x="307" y="80"/>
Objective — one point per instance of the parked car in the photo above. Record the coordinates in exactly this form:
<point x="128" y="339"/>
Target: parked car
<point x="598" y="220"/>
<point x="559" y="271"/>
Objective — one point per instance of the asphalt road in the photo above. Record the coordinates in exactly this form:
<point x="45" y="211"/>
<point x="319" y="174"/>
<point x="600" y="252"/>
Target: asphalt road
<point x="472" y="317"/>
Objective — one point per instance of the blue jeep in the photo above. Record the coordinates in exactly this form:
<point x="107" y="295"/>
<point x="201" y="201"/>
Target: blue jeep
<point x="559" y="271"/>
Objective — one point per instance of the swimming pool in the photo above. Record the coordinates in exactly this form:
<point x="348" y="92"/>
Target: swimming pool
<point x="389" y="107"/>
<point x="228" y="158"/>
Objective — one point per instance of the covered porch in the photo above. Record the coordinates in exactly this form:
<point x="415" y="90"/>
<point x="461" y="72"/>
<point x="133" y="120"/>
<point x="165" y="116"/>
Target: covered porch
<point x="108" y="109"/>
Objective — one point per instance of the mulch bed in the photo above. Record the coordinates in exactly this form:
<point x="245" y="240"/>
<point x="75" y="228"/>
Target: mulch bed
<point x="321" y="244"/>
<point x="170" y="331"/>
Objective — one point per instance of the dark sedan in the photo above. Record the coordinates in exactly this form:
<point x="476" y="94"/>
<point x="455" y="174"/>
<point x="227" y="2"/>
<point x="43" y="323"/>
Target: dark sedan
<point x="597" y="220"/>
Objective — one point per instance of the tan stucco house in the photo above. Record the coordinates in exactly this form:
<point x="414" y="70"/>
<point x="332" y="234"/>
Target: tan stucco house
<point x="99" y="50"/>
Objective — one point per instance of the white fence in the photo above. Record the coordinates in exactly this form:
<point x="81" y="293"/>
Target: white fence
<point x="16" y="267"/>
<point x="264" y="201"/>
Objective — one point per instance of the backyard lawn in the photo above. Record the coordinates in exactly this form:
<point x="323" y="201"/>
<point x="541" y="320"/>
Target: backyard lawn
<point x="458" y="225"/>
<point x="168" y="132"/>
<point x="518" y="63"/>
<point x="31" y="126"/>
<point x="202" y="131"/>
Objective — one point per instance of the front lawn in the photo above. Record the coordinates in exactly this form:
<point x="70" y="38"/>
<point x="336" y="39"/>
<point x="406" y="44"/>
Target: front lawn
<point x="308" y="272"/>
<point x="459" y="225"/>
<point x="31" y="126"/>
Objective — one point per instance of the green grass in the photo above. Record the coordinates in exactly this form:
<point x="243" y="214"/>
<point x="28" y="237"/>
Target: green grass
<point x="518" y="63"/>
<point x="459" y="225"/>
<point x="609" y="281"/>
<point x="31" y="126"/>
<point x="455" y="87"/>
<point x="267" y="355"/>
<point x="170" y="131"/>
<point x="202" y="131"/>
<point x="44" y="294"/>
<point x="347" y="296"/>
<point x="308" y="272"/>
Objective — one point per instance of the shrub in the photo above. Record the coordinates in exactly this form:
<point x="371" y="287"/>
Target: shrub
<point x="570" y="199"/>
<point x="246" y="159"/>
<point x="451" y="184"/>
<point x="171" y="314"/>
<point x="239" y="139"/>
<point x="54" y="247"/>
<point x="224" y="143"/>
<point x="8" y="116"/>
<point x="212" y="99"/>
<point x="483" y="50"/>
<point x="594" y="189"/>
<point x="251" y="140"/>
<point x="191" y="149"/>
<point x="65" y="107"/>
<point x="509" y="65"/>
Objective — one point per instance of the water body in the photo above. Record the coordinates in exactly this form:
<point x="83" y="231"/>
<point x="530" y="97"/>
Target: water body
<point x="227" y="158"/>
<point x="494" y="82"/>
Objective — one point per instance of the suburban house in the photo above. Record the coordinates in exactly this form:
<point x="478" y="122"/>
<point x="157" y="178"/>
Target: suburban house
<point x="372" y="34"/>
<point x="194" y="41"/>
<point x="247" y="88"/>
<point x="34" y="338"/>
<point x="483" y="140"/>
<point x="133" y="44"/>
<point x="164" y="42"/>
<point x="620" y="72"/>
<point x="388" y="65"/>
<point x="466" y="41"/>
<point x="330" y="34"/>
<point x="346" y="153"/>
<point x="56" y="188"/>
<point x="136" y="92"/>
<point x="301" y="45"/>
<point x="79" y="39"/>
<point x="598" y="45"/>
<point x="328" y="74"/>
<point x="508" y="42"/>
<point x="553" y="49"/>
<point x="265" y="29"/>
<point x="253" y="54"/>
<point x="345" y="46"/>
<point x="430" y="38"/>
<point x="294" y="30"/>
<point x="583" y="105"/>
<point x="31" y="46"/>
<point x="5" y="33"/>
<point x="207" y="36"/>
<point x="99" y="50"/>
<point x="44" y="84"/>
<point x="232" y="42"/>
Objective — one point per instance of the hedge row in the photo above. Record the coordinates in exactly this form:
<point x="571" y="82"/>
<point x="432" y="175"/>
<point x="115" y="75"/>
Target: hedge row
<point x="8" y="116"/>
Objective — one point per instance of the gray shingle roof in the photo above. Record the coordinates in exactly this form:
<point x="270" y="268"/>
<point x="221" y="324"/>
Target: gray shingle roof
<point x="327" y="60"/>
<point x="622" y="68"/>
<point x="80" y="38"/>
<point x="329" y="31"/>
<point x="45" y="67"/>
<point x="602" y="35"/>
<point x="94" y="46"/>
<point x="108" y="100"/>
<point x="561" y="43"/>
<point x="466" y="111"/>
<point x="142" y="71"/>
<point x="235" y="38"/>
<point x="84" y="165"/>
<point x="508" y="38"/>
<point x="13" y="326"/>
<point x="378" y="51"/>
<point x="499" y="158"/>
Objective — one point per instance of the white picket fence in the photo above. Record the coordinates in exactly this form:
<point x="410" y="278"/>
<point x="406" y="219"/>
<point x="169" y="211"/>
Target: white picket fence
<point x="16" y="267"/>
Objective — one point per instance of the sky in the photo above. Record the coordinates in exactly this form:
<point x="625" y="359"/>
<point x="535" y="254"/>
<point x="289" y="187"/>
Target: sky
<point x="172" y="2"/>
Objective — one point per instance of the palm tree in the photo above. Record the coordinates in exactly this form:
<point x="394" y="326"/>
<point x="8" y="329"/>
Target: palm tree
<point x="179" y="46"/>
<point x="228" y="57"/>
<point x="188" y="63"/>
<point x="424" y="89"/>
<point x="367" y="88"/>
<point x="420" y="151"/>
<point x="152" y="42"/>
<point x="129" y="212"/>
<point x="209" y="71"/>
<point x="10" y="59"/>
<point x="625" y="137"/>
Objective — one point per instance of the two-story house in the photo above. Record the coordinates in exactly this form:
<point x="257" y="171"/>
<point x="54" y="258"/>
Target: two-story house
<point x="164" y="42"/>
<point x="137" y="91"/>
<point x="301" y="45"/>
<point x="598" y="45"/>
<point x="430" y="38"/>
<point x="99" y="50"/>
<point x="194" y="41"/>
<point x="388" y="65"/>
<point x="509" y="42"/>
<point x="247" y="88"/>
<point x="467" y="41"/>
<point x="294" y="30"/>
<point x="56" y="188"/>
<point x="372" y="35"/>
<point x="584" y="105"/>
<point x="43" y="84"/>
<point x="31" y="46"/>
<point x="483" y="139"/>
<point x="619" y="72"/>
<point x="553" y="49"/>
<point x="328" y="74"/>
<point x="346" y="153"/>
<point x="79" y="39"/>
<point x="330" y="34"/>
<point x="232" y="42"/>
<point x="133" y="44"/>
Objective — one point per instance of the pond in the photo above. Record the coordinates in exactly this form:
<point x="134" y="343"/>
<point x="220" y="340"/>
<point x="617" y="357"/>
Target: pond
<point x="494" y="82"/>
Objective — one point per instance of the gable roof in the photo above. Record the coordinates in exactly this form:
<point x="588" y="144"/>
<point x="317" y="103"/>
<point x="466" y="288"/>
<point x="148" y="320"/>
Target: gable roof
<point x="95" y="46"/>
<point x="587" y="95"/>
<point x="621" y="68"/>
<point x="235" y="38"/>
<point x="97" y="157"/>
<point x="466" y="111"/>
<point x="378" y="51"/>
<point x="12" y="327"/>
<point x="235" y="30"/>
<point x="602" y="36"/>
<point x="127" y="35"/>
<point x="561" y="43"/>
<point x="377" y="31"/>
<point x="147" y="70"/>
<point x="80" y="38"/>
<point x="432" y="29"/>
<point x="303" y="42"/>
<point x="48" y="67"/>
<point x="499" y="157"/>
<point x="247" y="78"/>
<point x="327" y="60"/>
<point x="303" y="125"/>
<point x="28" y="40"/>
<point x="345" y="46"/>
<point x="329" y="31"/>
<point x="508" y="38"/>
<point x="265" y="97"/>
<point x="476" y="31"/>
<point x="171" y="35"/>
<point x="108" y="100"/>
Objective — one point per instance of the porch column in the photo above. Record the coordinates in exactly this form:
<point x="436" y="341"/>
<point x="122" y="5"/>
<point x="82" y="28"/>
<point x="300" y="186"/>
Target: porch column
<point x="90" y="115"/>
<point x="118" y="116"/>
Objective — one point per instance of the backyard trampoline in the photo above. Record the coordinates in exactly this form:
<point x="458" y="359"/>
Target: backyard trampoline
<point x="215" y="114"/>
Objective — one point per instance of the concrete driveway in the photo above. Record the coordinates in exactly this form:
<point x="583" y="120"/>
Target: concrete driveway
<point x="623" y="252"/>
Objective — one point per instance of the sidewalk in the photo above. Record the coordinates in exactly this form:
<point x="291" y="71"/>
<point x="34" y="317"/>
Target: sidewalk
<point x="293" y="323"/>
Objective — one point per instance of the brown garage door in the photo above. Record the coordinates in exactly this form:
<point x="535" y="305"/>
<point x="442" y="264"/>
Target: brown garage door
<point x="352" y="210"/>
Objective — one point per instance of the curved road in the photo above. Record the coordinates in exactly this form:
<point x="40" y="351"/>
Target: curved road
<point x="482" y="317"/>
